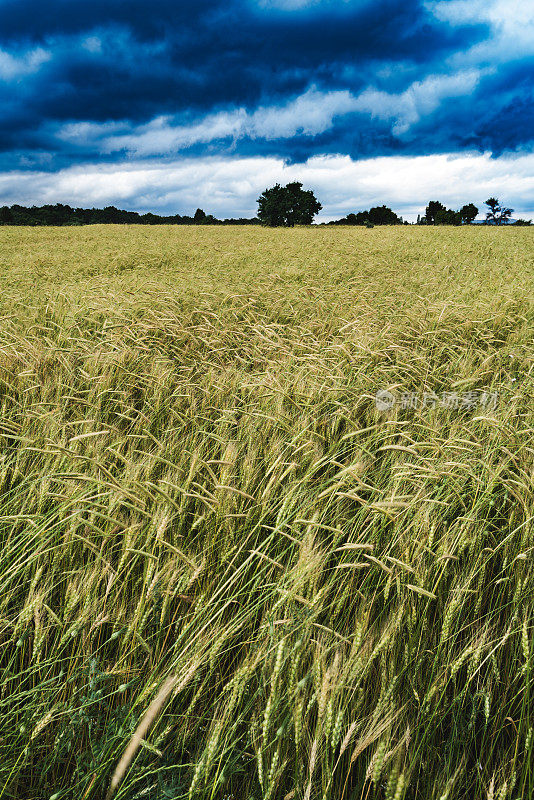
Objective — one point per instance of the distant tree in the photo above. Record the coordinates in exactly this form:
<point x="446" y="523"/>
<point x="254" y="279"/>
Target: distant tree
<point x="361" y="218"/>
<point x="22" y="216"/>
<point x="379" y="215"/>
<point x="437" y="214"/>
<point x="522" y="222"/>
<point x="446" y="216"/>
<point x="382" y="215"/>
<point x="149" y="219"/>
<point x="199" y="217"/>
<point x="468" y="213"/>
<point x="497" y="214"/>
<point x="6" y="217"/>
<point x="432" y="209"/>
<point x="287" y="206"/>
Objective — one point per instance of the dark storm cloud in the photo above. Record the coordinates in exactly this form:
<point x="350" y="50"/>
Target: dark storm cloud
<point x="82" y="83"/>
<point x="243" y="30"/>
<point x="116" y="60"/>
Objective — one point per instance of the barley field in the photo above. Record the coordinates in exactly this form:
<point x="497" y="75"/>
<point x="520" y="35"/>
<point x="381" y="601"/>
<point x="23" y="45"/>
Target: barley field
<point x="227" y="572"/>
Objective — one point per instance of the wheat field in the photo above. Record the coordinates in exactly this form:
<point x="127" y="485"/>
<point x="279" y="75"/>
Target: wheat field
<point x="226" y="573"/>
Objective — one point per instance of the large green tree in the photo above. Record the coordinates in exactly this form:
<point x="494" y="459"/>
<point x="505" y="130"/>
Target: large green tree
<point x="287" y="206"/>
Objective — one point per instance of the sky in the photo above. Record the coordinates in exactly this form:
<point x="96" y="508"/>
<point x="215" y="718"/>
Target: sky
<point x="168" y="105"/>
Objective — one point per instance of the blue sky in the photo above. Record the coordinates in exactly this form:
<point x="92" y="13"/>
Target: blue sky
<point x="169" y="104"/>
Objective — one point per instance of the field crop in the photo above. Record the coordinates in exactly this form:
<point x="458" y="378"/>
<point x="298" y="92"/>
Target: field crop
<point x="225" y="573"/>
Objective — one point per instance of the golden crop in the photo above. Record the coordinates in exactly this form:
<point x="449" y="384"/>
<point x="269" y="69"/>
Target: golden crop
<point x="225" y="572"/>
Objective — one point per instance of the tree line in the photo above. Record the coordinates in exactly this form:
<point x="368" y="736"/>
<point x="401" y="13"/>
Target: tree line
<point x="378" y="215"/>
<point x="292" y="205"/>
<point x="279" y="206"/>
<point x="435" y="214"/>
<point x="60" y="214"/>
<point x="497" y="214"/>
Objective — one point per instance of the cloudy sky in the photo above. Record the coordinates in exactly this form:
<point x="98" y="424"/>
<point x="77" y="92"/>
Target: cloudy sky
<point x="166" y="105"/>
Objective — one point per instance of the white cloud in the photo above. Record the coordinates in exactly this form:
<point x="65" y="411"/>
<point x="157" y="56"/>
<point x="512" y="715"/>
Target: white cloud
<point x="17" y="66"/>
<point x="419" y="100"/>
<point x="509" y="17"/>
<point x="161" y="136"/>
<point x="511" y="23"/>
<point x="93" y="44"/>
<point x="229" y="187"/>
<point x="309" y="114"/>
<point x="85" y="133"/>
